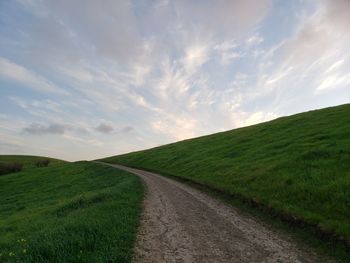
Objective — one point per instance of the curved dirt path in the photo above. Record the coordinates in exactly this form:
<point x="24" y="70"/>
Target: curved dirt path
<point x="182" y="224"/>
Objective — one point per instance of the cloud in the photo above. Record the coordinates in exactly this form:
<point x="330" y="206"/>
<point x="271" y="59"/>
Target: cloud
<point x="109" y="67"/>
<point x="104" y="128"/>
<point x="337" y="14"/>
<point x="160" y="71"/>
<point x="8" y="147"/>
<point x="178" y="127"/>
<point x="322" y="35"/>
<point x="257" y="117"/>
<point x="228" y="51"/>
<point x="195" y="57"/>
<point x="40" y="129"/>
<point x="310" y="62"/>
<point x="63" y="29"/>
<point x="335" y="66"/>
<point x="256" y="39"/>
<point x="107" y="128"/>
<point x="22" y="75"/>
<point x="224" y="17"/>
<point x="37" y="106"/>
<point x="128" y="130"/>
<point x="333" y="81"/>
<point x="80" y="140"/>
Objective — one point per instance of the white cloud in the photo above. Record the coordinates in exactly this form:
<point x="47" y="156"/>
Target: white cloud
<point x="177" y="127"/>
<point x="29" y="79"/>
<point x="278" y="76"/>
<point x="259" y="117"/>
<point x="310" y="62"/>
<point x="226" y="45"/>
<point x="228" y="57"/>
<point x="333" y="81"/>
<point x="195" y="57"/>
<point x="227" y="51"/>
<point x="167" y="70"/>
<point x="140" y="73"/>
<point x="44" y="109"/>
<point x="335" y="66"/>
<point x="256" y="39"/>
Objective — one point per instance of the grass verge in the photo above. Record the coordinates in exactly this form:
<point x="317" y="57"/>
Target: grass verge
<point x="72" y="212"/>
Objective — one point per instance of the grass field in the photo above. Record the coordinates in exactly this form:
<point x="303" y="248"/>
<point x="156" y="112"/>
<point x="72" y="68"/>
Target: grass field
<point x="69" y="212"/>
<point x="296" y="167"/>
<point x="28" y="161"/>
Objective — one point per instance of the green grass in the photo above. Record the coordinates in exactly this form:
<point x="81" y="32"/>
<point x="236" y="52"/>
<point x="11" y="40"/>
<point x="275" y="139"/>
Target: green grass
<point x="28" y="161"/>
<point x="71" y="212"/>
<point x="296" y="167"/>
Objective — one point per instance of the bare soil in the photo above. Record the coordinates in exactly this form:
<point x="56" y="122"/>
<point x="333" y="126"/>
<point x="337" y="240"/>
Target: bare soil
<point x="182" y="224"/>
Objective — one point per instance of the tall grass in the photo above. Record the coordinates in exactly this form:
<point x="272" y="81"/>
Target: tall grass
<point x="71" y="212"/>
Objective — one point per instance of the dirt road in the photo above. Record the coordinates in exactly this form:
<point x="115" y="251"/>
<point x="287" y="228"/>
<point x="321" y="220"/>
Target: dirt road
<point x="182" y="224"/>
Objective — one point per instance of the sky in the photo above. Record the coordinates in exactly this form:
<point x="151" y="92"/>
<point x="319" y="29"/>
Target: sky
<point x="86" y="79"/>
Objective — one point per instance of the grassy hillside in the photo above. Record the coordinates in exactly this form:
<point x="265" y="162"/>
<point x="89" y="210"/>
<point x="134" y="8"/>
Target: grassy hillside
<point x="72" y="212"/>
<point x="28" y="161"/>
<point x="298" y="167"/>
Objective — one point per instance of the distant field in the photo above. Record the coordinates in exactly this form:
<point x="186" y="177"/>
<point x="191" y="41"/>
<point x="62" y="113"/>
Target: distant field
<point x="297" y="167"/>
<point x="71" y="212"/>
<point x="28" y="161"/>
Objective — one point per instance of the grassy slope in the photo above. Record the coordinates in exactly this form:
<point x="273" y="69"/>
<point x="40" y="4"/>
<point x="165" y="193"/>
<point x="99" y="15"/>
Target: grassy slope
<point x="28" y="161"/>
<point x="297" y="166"/>
<point x="72" y="212"/>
